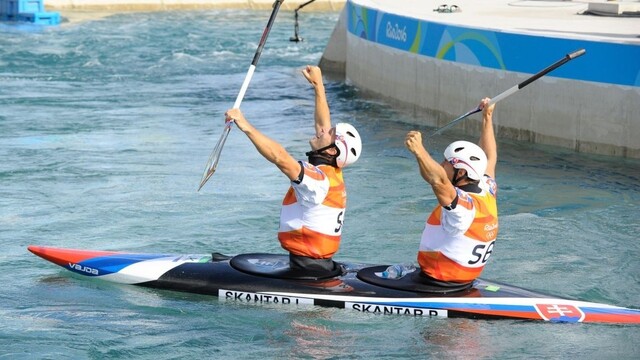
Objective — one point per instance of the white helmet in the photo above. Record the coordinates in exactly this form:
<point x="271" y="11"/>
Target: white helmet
<point x="348" y="143"/>
<point x="468" y="156"/>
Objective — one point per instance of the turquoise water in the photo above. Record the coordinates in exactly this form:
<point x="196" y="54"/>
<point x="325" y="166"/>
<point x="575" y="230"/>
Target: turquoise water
<point x="105" y="128"/>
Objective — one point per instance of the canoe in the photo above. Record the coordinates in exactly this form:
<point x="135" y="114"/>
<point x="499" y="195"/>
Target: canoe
<point x="267" y="279"/>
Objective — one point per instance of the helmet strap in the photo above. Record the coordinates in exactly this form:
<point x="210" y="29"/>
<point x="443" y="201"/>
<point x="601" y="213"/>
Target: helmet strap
<point x="320" y="157"/>
<point x="322" y="149"/>
<point x="457" y="179"/>
<point x="470" y="186"/>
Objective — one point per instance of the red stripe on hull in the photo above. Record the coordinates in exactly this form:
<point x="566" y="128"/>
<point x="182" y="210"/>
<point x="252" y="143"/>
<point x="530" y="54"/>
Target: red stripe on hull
<point x="63" y="257"/>
<point x="612" y="318"/>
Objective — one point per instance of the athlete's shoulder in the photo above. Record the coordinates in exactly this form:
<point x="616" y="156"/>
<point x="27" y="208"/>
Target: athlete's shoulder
<point x="489" y="184"/>
<point x="312" y="171"/>
<point x="465" y="201"/>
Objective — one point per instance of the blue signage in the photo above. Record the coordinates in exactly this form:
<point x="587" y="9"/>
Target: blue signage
<point x="605" y="62"/>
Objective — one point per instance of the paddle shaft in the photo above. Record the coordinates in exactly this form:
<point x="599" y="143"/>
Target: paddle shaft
<point x="256" y="57"/>
<point x="212" y="163"/>
<point x="515" y="88"/>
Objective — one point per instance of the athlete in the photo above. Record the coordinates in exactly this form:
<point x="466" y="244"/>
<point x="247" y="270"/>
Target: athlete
<point x="313" y="209"/>
<point x="459" y="234"/>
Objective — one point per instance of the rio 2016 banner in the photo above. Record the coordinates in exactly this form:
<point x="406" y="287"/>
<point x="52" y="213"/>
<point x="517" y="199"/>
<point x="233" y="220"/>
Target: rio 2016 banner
<point x="610" y="63"/>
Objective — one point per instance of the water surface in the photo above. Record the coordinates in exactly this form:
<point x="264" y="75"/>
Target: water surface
<point x="105" y="128"/>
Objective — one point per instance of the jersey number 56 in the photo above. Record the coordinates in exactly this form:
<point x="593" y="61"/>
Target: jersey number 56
<point x="481" y="253"/>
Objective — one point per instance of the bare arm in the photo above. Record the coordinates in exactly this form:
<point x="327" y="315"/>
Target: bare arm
<point x="271" y="150"/>
<point x="431" y="171"/>
<point x="487" y="137"/>
<point x="322" y="116"/>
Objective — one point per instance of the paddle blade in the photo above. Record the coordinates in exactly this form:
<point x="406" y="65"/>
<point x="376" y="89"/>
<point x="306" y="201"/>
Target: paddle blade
<point x="212" y="164"/>
<point x="455" y="121"/>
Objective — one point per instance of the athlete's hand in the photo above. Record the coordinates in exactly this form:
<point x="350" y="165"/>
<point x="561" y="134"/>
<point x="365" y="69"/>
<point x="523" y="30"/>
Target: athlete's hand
<point x="413" y="142"/>
<point x="313" y="74"/>
<point x="236" y="116"/>
<point x="487" y="111"/>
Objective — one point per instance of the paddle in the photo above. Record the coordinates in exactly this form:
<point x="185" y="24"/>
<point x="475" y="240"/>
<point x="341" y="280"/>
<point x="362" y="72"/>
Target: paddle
<point x="212" y="164"/>
<point x="515" y="88"/>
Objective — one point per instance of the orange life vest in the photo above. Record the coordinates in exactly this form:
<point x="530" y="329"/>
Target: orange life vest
<point x="312" y="213"/>
<point x="456" y="244"/>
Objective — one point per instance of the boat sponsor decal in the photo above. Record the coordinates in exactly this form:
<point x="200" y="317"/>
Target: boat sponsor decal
<point x="262" y="298"/>
<point x="85" y="270"/>
<point x="394" y="310"/>
<point x="119" y="262"/>
<point x="560" y="312"/>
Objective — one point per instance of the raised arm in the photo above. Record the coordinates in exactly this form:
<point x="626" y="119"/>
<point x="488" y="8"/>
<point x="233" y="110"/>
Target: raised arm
<point x="270" y="149"/>
<point x="487" y="137"/>
<point x="322" y="117"/>
<point x="431" y="171"/>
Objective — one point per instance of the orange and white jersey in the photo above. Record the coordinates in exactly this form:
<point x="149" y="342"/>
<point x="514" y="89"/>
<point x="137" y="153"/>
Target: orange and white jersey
<point x="312" y="213"/>
<point x="457" y="243"/>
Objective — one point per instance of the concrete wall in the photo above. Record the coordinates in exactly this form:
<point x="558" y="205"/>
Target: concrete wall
<point x="587" y="116"/>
